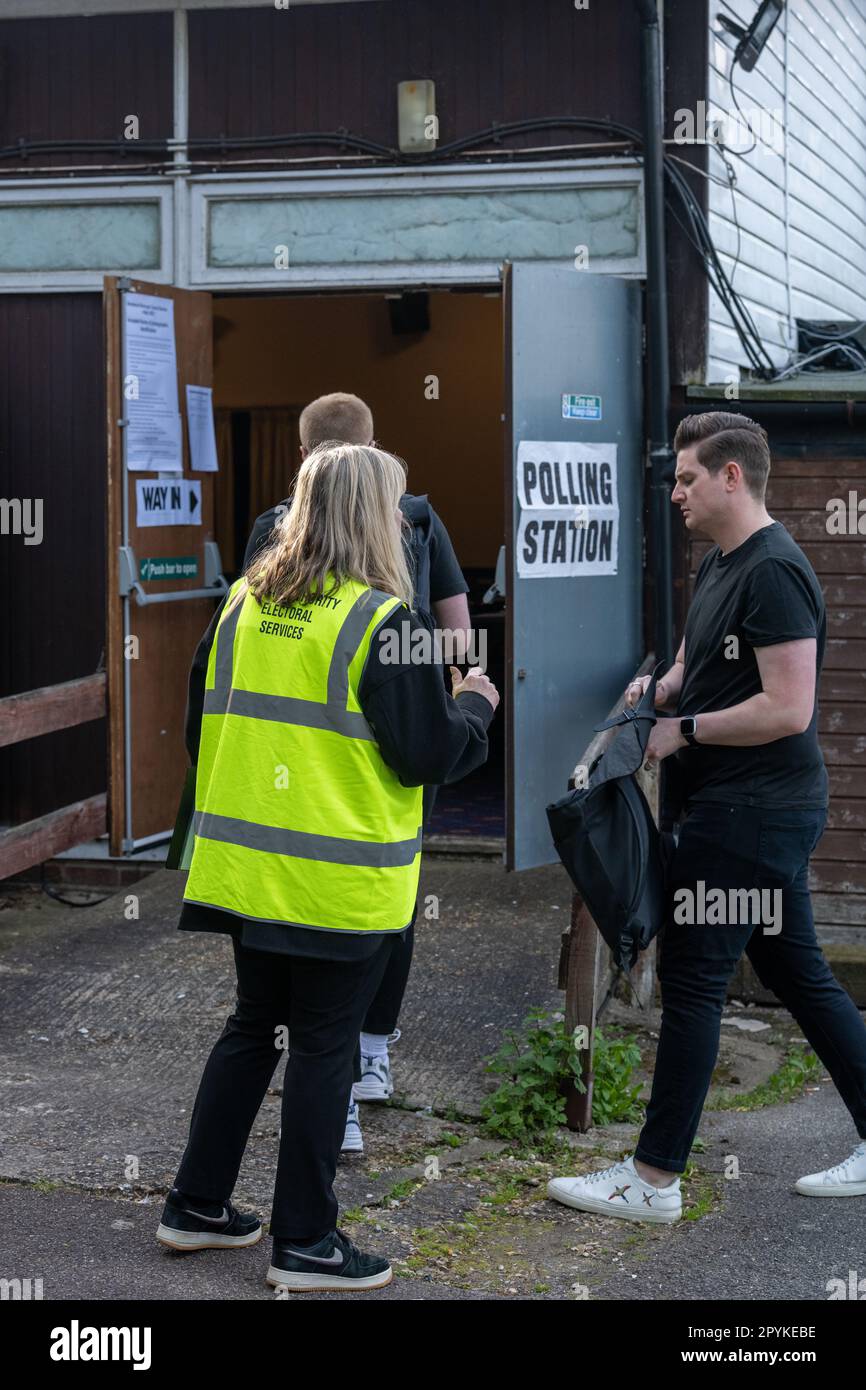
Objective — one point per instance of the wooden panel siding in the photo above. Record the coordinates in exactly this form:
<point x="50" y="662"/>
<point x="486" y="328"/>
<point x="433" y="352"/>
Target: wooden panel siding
<point x="323" y="67"/>
<point x="78" y="79"/>
<point x="52" y="447"/>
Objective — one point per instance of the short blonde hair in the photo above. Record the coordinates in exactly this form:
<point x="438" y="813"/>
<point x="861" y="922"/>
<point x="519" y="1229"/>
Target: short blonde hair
<point x="343" y="521"/>
<point x="337" y="418"/>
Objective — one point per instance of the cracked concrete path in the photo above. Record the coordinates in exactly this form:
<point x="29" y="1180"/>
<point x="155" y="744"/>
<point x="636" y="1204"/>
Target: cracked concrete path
<point x="108" y="1018"/>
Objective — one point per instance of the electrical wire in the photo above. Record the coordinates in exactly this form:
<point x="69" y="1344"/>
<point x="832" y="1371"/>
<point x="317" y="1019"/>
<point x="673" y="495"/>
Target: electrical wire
<point x="693" y="221"/>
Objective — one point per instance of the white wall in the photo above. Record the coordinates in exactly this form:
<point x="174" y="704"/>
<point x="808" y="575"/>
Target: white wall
<point x="802" y="207"/>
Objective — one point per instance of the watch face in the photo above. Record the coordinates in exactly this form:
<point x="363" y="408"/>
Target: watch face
<point x="688" y="726"/>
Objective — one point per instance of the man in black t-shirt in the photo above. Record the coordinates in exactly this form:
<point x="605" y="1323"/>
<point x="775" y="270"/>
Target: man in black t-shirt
<point x="440" y="597"/>
<point x="754" y="805"/>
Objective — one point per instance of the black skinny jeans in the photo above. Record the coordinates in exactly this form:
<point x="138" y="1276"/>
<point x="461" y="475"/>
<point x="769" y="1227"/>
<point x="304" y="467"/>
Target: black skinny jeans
<point x="742" y="847"/>
<point x="322" y="1003"/>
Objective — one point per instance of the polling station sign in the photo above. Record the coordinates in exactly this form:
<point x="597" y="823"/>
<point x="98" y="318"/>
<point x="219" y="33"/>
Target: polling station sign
<point x="569" y="509"/>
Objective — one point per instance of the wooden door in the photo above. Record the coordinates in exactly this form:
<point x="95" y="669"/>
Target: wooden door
<point x="149" y="648"/>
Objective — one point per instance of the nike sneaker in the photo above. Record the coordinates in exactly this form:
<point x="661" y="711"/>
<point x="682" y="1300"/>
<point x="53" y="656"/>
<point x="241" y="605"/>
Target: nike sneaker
<point x="334" y="1263"/>
<point x="375" y="1082"/>
<point x="353" y="1139"/>
<point x="183" y="1227"/>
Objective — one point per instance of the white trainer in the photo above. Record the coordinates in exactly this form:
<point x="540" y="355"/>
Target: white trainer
<point x="845" y="1179"/>
<point x="353" y="1139"/>
<point x="375" y="1082"/>
<point x="619" y="1191"/>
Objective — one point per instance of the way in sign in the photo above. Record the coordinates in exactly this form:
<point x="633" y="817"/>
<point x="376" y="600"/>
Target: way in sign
<point x="168" y="504"/>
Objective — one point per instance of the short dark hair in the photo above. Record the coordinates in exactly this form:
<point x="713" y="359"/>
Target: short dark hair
<point x="339" y="417"/>
<point x="721" y="437"/>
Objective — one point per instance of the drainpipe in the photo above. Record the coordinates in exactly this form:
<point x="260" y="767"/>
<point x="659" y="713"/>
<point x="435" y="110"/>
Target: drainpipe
<point x="661" y="457"/>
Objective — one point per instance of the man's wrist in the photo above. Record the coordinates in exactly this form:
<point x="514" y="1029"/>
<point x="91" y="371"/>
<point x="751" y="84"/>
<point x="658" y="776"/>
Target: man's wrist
<point x="689" y="730"/>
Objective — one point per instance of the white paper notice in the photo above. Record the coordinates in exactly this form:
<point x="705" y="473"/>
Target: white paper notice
<point x="199" y="422"/>
<point x="153" y="431"/>
<point x="569" y="509"/>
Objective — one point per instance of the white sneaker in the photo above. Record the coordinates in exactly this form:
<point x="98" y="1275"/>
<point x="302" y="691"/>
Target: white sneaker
<point x="353" y="1139"/>
<point x="619" y="1191"/>
<point x="376" y="1083"/>
<point x="846" y="1179"/>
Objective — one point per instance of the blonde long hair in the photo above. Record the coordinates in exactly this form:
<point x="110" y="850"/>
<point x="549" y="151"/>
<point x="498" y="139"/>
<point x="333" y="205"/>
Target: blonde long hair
<point x="341" y="522"/>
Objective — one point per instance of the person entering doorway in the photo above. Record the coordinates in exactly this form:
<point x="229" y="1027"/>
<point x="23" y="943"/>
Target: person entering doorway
<point x="440" y="594"/>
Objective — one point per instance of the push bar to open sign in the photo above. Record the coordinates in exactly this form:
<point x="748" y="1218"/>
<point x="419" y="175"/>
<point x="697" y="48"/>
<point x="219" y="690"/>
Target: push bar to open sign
<point x="129" y="583"/>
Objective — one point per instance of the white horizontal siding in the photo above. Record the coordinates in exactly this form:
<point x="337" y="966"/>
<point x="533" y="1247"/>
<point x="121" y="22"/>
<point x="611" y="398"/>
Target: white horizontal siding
<point x="801" y="211"/>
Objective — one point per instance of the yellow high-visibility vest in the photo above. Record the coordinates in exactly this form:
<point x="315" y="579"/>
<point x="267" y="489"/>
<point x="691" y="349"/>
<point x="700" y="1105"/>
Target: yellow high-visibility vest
<point x="298" y="818"/>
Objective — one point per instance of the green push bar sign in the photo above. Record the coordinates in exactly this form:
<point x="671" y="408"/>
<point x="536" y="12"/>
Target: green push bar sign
<point x="168" y="567"/>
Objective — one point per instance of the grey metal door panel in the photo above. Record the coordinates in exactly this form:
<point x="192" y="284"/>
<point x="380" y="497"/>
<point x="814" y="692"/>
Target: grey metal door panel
<point x="575" y="638"/>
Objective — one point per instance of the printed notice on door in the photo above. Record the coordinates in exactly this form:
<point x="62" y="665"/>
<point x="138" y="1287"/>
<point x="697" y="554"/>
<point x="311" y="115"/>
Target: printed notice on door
<point x="153" y="430"/>
<point x="569" y="509"/>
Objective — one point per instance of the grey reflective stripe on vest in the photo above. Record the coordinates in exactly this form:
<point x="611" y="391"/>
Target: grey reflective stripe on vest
<point x="348" y="641"/>
<point x="302" y="845"/>
<point x="225" y="652"/>
<point x="290" y="709"/>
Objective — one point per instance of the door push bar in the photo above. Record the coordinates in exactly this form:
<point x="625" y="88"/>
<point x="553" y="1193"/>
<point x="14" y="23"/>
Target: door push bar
<point x="129" y="582"/>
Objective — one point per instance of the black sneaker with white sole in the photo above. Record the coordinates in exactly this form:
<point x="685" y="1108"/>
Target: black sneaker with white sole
<point x="184" y="1228"/>
<point x="334" y="1263"/>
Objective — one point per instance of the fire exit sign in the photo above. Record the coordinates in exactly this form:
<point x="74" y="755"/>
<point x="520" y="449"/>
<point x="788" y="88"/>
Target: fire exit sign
<point x="581" y="407"/>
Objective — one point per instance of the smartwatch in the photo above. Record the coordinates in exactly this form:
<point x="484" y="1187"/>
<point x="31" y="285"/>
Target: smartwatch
<point x="688" y="729"/>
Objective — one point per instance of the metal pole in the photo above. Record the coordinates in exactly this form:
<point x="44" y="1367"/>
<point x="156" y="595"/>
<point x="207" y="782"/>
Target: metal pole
<point x="661" y="458"/>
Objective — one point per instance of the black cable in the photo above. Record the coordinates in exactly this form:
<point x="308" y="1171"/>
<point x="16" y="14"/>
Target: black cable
<point x="69" y="902"/>
<point x="742" y="115"/>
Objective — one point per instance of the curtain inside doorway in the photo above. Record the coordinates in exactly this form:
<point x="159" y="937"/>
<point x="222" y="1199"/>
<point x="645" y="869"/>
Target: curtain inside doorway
<point x="258" y="453"/>
<point x="274" y="456"/>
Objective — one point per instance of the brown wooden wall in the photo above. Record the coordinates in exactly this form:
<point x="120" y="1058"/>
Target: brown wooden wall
<point x="320" y="67"/>
<point x="800" y="486"/>
<point x="52" y="621"/>
<point x="77" y="79"/>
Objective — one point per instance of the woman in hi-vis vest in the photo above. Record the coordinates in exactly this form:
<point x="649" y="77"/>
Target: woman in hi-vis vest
<point x="325" y="713"/>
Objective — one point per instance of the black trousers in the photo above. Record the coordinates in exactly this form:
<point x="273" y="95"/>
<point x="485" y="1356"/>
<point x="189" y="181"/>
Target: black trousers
<point x="322" y="1003"/>
<point x="385" y="1009"/>
<point x="736" y="849"/>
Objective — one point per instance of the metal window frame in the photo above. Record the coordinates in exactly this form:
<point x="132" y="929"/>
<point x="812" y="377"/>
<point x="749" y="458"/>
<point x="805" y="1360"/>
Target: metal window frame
<point x="397" y="181"/>
<point x="63" y="191"/>
<point x="183" y="201"/>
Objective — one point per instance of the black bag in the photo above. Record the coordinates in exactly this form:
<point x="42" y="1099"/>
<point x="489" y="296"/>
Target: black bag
<point x="606" y="837"/>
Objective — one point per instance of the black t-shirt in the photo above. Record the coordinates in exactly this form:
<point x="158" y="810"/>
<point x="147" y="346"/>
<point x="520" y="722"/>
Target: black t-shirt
<point x="760" y="594"/>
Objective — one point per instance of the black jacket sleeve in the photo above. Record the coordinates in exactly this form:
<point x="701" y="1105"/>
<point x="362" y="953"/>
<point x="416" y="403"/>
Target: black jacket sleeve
<point x="424" y="734"/>
<point x="195" y="688"/>
<point x="262" y="528"/>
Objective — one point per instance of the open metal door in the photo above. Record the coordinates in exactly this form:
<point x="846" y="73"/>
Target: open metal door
<point x="574" y="491"/>
<point x="163" y="572"/>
